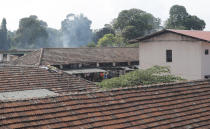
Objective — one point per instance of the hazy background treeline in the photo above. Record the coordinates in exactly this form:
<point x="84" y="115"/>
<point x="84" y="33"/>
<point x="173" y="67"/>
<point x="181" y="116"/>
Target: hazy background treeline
<point x="76" y="30"/>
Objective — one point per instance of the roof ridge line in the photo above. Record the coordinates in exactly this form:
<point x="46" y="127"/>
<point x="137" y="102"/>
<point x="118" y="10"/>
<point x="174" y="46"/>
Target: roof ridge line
<point x="13" y="65"/>
<point x="118" y="89"/>
<point x="139" y="86"/>
<point x="141" y="38"/>
<point x="190" y="36"/>
<point x="188" y="30"/>
<point x="90" y="48"/>
<point x="40" y="57"/>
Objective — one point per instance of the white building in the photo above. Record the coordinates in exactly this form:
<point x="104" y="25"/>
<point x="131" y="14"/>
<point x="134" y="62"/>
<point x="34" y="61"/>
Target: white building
<point x="186" y="52"/>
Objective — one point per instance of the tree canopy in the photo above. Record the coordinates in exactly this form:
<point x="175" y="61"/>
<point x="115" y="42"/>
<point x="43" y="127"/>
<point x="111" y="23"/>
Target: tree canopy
<point x="135" y="22"/>
<point x="180" y="19"/>
<point x="107" y="29"/>
<point x="4" y="40"/>
<point x="31" y="33"/>
<point x="76" y="30"/>
<point x="91" y="44"/>
<point x="110" y="40"/>
<point x="54" y="38"/>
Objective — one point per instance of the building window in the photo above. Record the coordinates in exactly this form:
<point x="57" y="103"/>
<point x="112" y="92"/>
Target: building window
<point x="168" y="55"/>
<point x="206" y="51"/>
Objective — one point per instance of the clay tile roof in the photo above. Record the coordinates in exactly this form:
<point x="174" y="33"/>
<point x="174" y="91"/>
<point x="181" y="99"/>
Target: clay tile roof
<point x="196" y="34"/>
<point x="16" y="51"/>
<point x="20" y="78"/>
<point x="181" y="105"/>
<point x="32" y="58"/>
<point x="203" y="35"/>
<point x="57" y="56"/>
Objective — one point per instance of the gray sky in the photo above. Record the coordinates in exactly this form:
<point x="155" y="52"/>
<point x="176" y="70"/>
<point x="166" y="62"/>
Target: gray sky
<point x="99" y="12"/>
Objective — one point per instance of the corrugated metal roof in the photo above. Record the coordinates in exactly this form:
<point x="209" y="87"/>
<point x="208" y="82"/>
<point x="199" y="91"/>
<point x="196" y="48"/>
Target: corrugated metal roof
<point x="77" y="71"/>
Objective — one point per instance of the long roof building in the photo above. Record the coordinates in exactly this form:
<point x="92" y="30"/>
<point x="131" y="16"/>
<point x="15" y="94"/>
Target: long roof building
<point x="62" y="56"/>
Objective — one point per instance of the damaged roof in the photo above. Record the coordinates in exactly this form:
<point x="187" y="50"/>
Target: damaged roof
<point x="196" y="34"/>
<point x="20" y="78"/>
<point x="57" y="56"/>
<point x="17" y="51"/>
<point x="176" y="105"/>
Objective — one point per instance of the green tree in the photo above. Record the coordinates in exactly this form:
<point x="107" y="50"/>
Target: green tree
<point x="107" y="41"/>
<point x="110" y="40"/>
<point x="76" y="30"/>
<point x="154" y="75"/>
<point x="54" y="38"/>
<point x="91" y="44"/>
<point x="180" y="19"/>
<point x="194" y="23"/>
<point x="31" y="33"/>
<point x="107" y="29"/>
<point x="129" y="32"/>
<point x="4" y="40"/>
<point x="135" y="22"/>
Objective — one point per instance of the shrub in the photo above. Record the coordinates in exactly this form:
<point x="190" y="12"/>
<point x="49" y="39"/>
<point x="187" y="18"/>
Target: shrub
<point x="153" y="75"/>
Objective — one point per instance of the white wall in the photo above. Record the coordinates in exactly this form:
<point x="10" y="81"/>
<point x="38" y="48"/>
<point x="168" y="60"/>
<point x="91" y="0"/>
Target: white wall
<point x="186" y="54"/>
<point x="8" y="57"/>
<point x="205" y="59"/>
<point x="1" y="57"/>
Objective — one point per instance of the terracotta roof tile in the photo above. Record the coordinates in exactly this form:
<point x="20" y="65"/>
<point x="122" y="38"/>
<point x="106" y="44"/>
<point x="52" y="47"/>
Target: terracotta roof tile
<point x="176" y="105"/>
<point x="196" y="34"/>
<point x="56" y="56"/>
<point x="204" y="35"/>
<point x="20" y="78"/>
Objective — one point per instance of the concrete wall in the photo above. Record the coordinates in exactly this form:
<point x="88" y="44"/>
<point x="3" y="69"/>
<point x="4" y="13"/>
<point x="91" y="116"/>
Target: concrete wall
<point x="8" y="57"/>
<point x="186" y="57"/>
<point x="205" y="59"/>
<point x="1" y="57"/>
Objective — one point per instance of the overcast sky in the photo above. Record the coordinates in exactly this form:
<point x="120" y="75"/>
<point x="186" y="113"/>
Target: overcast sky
<point x="99" y="12"/>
